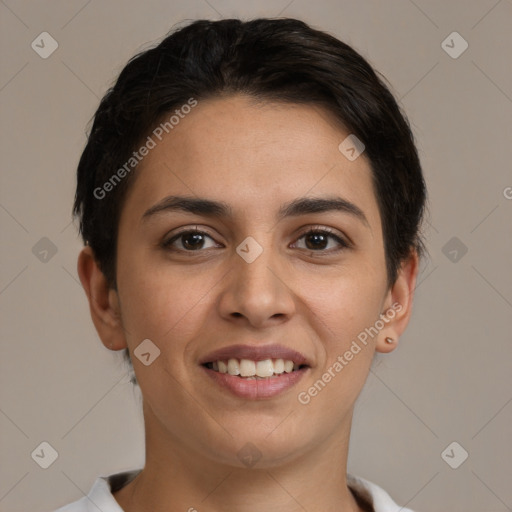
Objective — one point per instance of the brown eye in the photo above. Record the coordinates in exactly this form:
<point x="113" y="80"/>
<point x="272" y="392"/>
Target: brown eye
<point x="318" y="240"/>
<point x="190" y="241"/>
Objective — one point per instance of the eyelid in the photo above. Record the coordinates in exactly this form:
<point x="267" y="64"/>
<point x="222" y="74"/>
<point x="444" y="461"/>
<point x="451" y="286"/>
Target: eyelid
<point x="169" y="239"/>
<point x="341" y="238"/>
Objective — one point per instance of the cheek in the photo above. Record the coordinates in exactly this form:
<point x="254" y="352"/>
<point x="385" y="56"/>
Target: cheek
<point x="161" y="302"/>
<point x="348" y="300"/>
<point x="352" y="309"/>
<point x="343" y="311"/>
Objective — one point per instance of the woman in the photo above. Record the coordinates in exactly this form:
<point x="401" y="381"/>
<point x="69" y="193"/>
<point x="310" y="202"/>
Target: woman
<point x="250" y="198"/>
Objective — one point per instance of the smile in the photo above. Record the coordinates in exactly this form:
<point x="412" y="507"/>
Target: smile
<point x="254" y="370"/>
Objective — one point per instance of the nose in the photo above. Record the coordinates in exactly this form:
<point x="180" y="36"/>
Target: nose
<point x="259" y="293"/>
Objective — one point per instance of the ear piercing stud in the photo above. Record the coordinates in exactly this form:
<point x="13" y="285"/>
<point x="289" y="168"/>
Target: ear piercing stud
<point x="389" y="340"/>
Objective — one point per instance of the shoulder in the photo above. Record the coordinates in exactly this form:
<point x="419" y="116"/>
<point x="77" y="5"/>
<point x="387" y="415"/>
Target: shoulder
<point x="100" y="496"/>
<point x="368" y="492"/>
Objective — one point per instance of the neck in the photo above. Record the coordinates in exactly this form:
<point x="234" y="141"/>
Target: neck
<point x="175" y="476"/>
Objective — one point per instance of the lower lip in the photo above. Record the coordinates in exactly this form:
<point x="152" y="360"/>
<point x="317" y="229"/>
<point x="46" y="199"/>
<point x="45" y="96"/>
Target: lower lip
<point x="256" y="389"/>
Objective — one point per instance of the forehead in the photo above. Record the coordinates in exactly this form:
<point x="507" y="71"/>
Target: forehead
<point x="251" y="154"/>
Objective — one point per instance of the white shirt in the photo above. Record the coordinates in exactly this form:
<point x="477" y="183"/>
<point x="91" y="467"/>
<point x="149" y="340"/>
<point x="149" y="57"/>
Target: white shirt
<point x="100" y="496"/>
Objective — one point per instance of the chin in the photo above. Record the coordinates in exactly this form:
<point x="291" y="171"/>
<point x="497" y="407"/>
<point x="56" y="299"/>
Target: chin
<point x="257" y="449"/>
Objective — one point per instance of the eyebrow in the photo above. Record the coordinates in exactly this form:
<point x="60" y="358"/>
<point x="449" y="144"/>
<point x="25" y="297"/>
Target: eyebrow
<point x="220" y="209"/>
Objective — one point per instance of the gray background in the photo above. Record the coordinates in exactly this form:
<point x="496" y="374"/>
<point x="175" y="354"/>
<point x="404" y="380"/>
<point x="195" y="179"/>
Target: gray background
<point x="448" y="381"/>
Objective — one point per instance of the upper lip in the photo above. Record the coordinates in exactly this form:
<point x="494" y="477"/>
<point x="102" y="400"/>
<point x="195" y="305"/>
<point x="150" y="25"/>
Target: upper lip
<point x="255" y="353"/>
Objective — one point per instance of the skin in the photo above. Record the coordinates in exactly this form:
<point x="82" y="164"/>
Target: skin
<point x="256" y="157"/>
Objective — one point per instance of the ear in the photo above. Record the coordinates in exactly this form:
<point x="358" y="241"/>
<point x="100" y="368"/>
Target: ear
<point x="103" y="301"/>
<point x="397" y="308"/>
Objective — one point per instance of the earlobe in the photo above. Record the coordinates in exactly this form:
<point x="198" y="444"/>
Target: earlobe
<point x="103" y="301"/>
<point x="398" y="305"/>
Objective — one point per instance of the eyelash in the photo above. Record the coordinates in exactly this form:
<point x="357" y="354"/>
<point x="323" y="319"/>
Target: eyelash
<point x="343" y="244"/>
<point x="167" y="244"/>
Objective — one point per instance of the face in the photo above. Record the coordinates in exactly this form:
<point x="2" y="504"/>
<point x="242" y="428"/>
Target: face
<point x="265" y="274"/>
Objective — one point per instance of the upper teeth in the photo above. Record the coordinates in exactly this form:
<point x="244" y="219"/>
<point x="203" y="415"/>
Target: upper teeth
<point x="249" y="368"/>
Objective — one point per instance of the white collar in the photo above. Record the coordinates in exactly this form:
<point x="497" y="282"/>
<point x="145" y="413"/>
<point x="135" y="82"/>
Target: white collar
<point x="100" y="496"/>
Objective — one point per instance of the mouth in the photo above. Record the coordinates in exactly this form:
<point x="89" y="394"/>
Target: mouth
<point x="249" y="369"/>
<point x="255" y="372"/>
